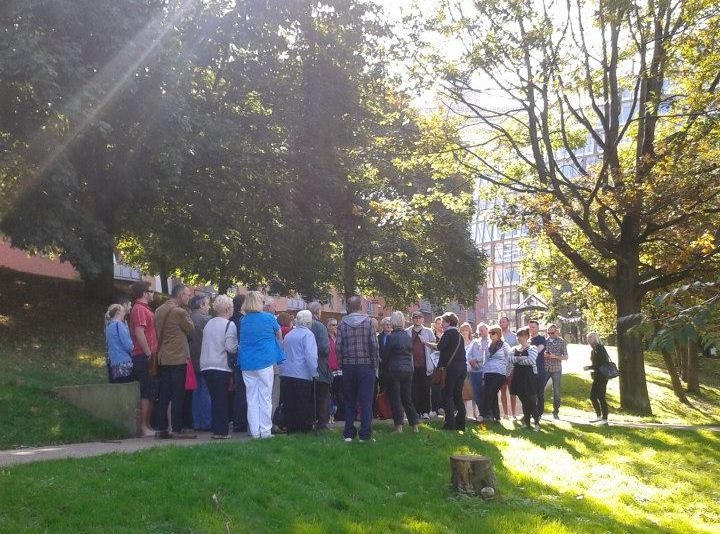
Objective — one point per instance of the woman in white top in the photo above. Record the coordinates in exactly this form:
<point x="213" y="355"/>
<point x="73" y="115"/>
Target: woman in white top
<point x="474" y="357"/>
<point x="219" y="339"/>
<point x="495" y="371"/>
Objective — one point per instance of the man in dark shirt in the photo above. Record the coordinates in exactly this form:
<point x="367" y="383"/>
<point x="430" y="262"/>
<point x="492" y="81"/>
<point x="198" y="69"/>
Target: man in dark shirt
<point x="419" y="334"/>
<point x="539" y="341"/>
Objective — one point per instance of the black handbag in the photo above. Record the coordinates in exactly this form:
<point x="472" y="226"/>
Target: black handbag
<point x="231" y="356"/>
<point x="609" y="370"/>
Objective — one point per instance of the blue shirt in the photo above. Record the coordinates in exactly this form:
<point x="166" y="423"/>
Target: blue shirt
<point x="119" y="342"/>
<point x="259" y="348"/>
<point x="301" y="354"/>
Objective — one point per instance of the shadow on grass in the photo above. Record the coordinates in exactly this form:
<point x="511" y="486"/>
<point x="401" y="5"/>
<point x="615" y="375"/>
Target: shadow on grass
<point x="298" y="484"/>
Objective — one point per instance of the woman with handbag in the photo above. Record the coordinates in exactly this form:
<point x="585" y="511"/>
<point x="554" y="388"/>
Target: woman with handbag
<point x="524" y="382"/>
<point x="219" y="339"/>
<point x="598" y="357"/>
<point x="119" y="345"/>
<point x="452" y="364"/>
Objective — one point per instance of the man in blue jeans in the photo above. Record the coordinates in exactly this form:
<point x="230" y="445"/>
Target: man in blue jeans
<point x="555" y="353"/>
<point x="357" y="351"/>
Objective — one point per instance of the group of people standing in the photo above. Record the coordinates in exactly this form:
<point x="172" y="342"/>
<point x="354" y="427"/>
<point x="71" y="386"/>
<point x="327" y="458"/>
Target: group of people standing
<point x="247" y="363"/>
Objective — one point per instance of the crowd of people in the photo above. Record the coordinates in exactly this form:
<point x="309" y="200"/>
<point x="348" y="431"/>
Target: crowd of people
<point x="242" y="368"/>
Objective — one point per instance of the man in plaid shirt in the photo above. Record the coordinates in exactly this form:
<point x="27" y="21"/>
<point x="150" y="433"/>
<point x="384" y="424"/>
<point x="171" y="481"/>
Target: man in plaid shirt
<point x="357" y="351"/>
<point x="555" y="353"/>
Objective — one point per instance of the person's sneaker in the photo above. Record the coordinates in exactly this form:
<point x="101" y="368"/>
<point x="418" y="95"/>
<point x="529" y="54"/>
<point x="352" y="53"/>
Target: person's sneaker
<point x="184" y="434"/>
<point x="556" y="415"/>
<point x="148" y="433"/>
<point x="369" y="440"/>
<point x="536" y="428"/>
<point x="596" y="420"/>
<point x="162" y="434"/>
<point x="348" y="440"/>
<point x="603" y="422"/>
<point x="425" y="416"/>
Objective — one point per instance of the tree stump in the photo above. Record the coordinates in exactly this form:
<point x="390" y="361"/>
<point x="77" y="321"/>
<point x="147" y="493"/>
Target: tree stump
<point x="473" y="474"/>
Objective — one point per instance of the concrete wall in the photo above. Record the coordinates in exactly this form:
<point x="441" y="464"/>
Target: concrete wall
<point x="117" y="403"/>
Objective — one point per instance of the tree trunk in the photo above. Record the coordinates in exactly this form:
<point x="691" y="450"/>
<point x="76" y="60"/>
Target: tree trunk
<point x="164" y="278"/>
<point x="473" y="474"/>
<point x="633" y="386"/>
<point x="678" y="360"/>
<point x="100" y="284"/>
<point x="682" y="357"/>
<point x="693" y="379"/>
<point x="349" y="267"/>
<point x="674" y="376"/>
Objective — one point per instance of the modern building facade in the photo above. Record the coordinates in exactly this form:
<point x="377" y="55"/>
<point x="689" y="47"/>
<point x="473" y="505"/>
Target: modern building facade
<point x="500" y="294"/>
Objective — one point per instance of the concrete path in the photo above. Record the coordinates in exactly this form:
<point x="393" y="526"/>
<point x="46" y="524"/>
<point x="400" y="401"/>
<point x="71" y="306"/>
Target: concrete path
<point x="84" y="450"/>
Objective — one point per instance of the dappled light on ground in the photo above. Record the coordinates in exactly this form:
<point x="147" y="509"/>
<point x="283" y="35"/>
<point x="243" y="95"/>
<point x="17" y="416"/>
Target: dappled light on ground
<point x="628" y="476"/>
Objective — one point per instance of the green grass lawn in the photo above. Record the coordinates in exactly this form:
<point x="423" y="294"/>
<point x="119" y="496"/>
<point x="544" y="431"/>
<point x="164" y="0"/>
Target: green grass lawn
<point x="574" y="479"/>
<point x="50" y="335"/>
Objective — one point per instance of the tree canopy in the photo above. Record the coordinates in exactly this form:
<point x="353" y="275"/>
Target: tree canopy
<point x="601" y="120"/>
<point x="230" y="142"/>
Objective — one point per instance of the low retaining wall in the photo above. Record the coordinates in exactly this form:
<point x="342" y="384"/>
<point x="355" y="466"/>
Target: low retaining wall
<point x="117" y="403"/>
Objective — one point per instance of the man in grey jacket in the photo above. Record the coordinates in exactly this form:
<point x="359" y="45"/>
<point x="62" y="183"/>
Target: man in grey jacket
<point x="358" y="355"/>
<point x="324" y="376"/>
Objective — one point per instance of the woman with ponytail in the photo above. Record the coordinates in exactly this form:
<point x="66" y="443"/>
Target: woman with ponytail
<point x="119" y="345"/>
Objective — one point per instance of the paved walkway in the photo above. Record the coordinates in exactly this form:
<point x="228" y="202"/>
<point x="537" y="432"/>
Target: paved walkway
<point x="27" y="455"/>
<point x="84" y="450"/>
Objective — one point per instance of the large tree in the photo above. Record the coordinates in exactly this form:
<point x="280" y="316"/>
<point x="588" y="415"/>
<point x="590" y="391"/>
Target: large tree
<point x="228" y="141"/>
<point x="601" y="118"/>
<point x="81" y="104"/>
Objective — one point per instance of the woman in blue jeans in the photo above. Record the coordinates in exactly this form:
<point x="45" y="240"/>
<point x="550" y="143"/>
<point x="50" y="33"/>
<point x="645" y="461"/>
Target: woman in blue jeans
<point x="219" y="339"/>
<point x="475" y="361"/>
<point x="495" y="372"/>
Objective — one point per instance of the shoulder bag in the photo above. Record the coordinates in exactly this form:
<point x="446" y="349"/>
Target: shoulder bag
<point x="439" y="374"/>
<point x="609" y="370"/>
<point x="231" y="356"/>
<point x="123" y="369"/>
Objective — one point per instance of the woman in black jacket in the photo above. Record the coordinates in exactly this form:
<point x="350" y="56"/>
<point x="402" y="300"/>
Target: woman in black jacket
<point x="396" y="356"/>
<point x="598" y="357"/>
<point x="452" y="357"/>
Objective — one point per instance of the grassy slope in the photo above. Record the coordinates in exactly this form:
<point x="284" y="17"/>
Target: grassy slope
<point x="50" y="335"/>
